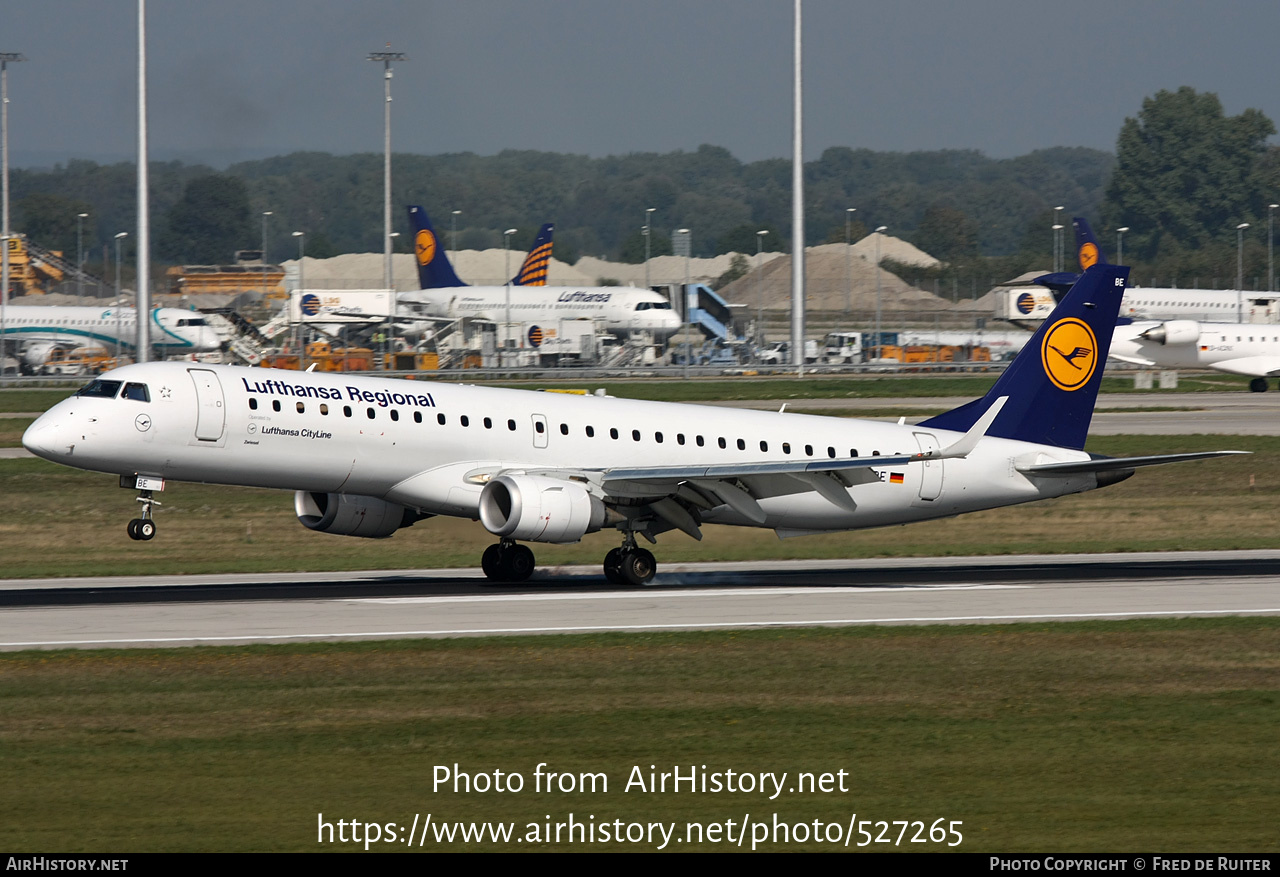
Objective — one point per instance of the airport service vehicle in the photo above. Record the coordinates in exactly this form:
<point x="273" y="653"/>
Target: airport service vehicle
<point x="1250" y="349"/>
<point x="619" y="309"/>
<point x="41" y="334"/>
<point x="367" y="456"/>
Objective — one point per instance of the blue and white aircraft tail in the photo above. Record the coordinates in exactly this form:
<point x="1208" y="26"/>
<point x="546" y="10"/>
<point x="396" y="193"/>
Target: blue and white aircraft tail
<point x="435" y="271"/>
<point x="1053" y="383"/>
<point x="1088" y="253"/>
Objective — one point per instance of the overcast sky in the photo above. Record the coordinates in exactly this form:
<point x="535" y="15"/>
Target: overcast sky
<point x="249" y="78"/>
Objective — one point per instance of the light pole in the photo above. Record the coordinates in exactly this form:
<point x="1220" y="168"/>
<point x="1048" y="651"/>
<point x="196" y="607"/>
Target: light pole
<point x="682" y="238"/>
<point x="453" y="229"/>
<point x="760" y="288"/>
<point x="1271" y="272"/>
<point x="1120" y="244"/>
<point x="302" y="250"/>
<point x="142" y="281"/>
<point x="386" y="58"/>
<point x="119" y="295"/>
<point x="1240" y="271"/>
<point x="848" y="260"/>
<point x="80" y="218"/>
<point x="648" y="230"/>
<point x="506" y="269"/>
<point x="391" y="307"/>
<point x="265" y="214"/>
<point x="1057" y="239"/>
<point x="5" y="58"/>
<point x="879" y="231"/>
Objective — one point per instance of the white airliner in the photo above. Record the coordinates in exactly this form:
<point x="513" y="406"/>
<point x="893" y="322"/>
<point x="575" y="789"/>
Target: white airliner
<point x="1250" y="349"/>
<point x="367" y="456"/>
<point x="39" y="333"/>
<point x="621" y="309"/>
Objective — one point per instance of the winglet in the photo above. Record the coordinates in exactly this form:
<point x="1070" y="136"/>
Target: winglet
<point x="970" y="440"/>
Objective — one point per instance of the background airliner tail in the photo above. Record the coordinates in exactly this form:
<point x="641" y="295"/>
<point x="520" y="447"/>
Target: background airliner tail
<point x="434" y="268"/>
<point x="1053" y="383"/>
<point x="536" y="265"/>
<point x="1087" y="249"/>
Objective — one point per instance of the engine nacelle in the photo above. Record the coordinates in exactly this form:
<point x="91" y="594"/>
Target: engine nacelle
<point x="364" y="516"/>
<point x="537" y="509"/>
<point x="1174" y="332"/>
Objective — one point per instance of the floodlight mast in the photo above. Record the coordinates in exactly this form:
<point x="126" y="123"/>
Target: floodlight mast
<point x="142" y="347"/>
<point x="386" y="58"/>
<point x="5" y="59"/>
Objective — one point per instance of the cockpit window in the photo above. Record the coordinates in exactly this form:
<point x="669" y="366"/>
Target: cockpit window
<point x="193" y="321"/>
<point x="101" y="389"/>
<point x="137" y="392"/>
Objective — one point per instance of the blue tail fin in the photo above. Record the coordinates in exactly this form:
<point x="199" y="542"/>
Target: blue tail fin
<point x="534" y="270"/>
<point x="434" y="270"/>
<point x="1087" y="252"/>
<point x="1053" y="384"/>
<point x="1087" y="249"/>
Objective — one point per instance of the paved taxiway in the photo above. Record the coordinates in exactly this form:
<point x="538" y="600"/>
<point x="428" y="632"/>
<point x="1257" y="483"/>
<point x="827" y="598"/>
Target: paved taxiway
<point x="302" y="607"/>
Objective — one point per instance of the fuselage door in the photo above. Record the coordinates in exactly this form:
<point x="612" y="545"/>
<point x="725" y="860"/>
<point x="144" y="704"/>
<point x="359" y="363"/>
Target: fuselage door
<point x="540" y="431"/>
<point x="211" y="412"/>
<point x="930" y="470"/>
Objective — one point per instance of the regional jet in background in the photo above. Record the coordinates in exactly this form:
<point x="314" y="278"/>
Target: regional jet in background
<point x="367" y="456"/>
<point x="620" y="309"/>
<point x="41" y="333"/>
<point x="1153" y="303"/>
<point x="1249" y="349"/>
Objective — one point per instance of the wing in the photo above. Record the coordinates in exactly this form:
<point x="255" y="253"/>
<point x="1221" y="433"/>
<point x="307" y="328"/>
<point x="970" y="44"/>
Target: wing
<point x="669" y="492"/>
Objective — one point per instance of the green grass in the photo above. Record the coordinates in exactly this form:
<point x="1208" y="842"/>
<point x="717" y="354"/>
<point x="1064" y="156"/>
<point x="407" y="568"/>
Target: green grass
<point x="1217" y="504"/>
<point x="1117" y="736"/>
<point x="32" y="400"/>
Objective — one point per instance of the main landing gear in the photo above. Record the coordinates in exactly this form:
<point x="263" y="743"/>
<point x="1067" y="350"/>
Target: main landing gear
<point x="1258" y="385"/>
<point x="508" y="561"/>
<point x="143" y="529"/>
<point x="630" y="564"/>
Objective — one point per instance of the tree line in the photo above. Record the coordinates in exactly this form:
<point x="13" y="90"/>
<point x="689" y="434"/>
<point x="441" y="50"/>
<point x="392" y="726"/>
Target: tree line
<point x="1183" y="176"/>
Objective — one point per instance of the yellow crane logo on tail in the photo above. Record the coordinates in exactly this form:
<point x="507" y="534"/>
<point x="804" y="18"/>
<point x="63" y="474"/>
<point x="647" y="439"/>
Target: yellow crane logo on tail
<point x="1069" y="353"/>
<point x="1088" y="255"/>
<point x="424" y="244"/>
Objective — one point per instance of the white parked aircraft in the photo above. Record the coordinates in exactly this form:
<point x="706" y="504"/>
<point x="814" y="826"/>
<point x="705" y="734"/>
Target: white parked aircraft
<point x="620" y="309"/>
<point x="39" y="333"/>
<point x="367" y="456"/>
<point x="1250" y="349"/>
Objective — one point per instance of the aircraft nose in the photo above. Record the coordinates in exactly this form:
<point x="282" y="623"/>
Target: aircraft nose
<point x="46" y="438"/>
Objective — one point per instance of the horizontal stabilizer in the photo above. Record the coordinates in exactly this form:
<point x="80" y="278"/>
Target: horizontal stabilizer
<point x="1115" y="464"/>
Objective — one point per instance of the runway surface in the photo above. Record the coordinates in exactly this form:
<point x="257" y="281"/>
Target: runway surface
<point x="305" y="607"/>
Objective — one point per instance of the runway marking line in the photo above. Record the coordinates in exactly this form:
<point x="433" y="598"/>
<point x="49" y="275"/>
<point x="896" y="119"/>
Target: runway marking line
<point x="656" y="593"/>
<point x="624" y="627"/>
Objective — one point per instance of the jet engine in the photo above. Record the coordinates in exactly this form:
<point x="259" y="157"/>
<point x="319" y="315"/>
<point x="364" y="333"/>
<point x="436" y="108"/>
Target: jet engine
<point x="344" y="515"/>
<point x="538" y="509"/>
<point x="1174" y="332"/>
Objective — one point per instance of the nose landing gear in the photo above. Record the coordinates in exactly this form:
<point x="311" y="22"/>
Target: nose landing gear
<point x="143" y="529"/>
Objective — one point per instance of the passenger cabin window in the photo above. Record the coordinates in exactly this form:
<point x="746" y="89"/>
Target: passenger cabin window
<point x="100" y="389"/>
<point x="253" y="404"/>
<point x="275" y="404"/>
<point x="137" y="392"/>
<point x="302" y="409"/>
